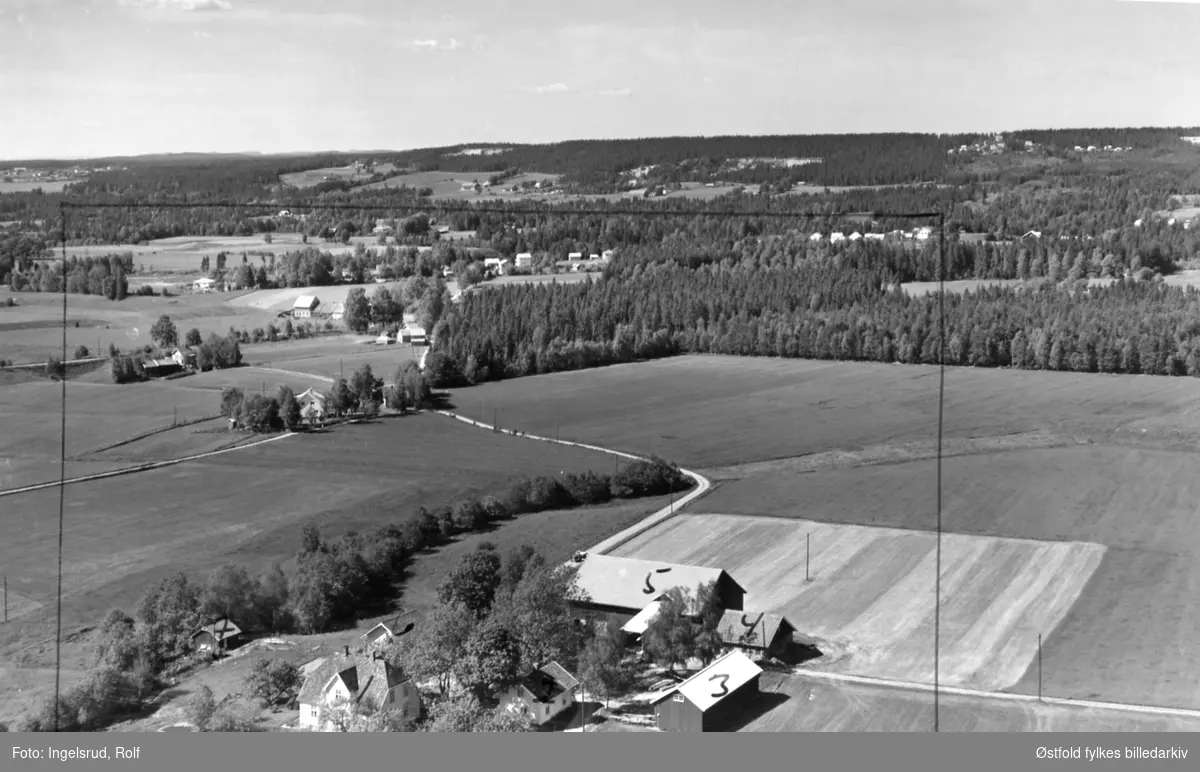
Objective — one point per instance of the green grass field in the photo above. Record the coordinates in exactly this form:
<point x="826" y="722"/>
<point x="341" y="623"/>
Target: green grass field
<point x="247" y="506"/>
<point x="100" y="413"/>
<point x="710" y="411"/>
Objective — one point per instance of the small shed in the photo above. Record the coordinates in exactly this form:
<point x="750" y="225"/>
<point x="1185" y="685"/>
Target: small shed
<point x="758" y="634"/>
<point x="216" y="638"/>
<point x="339" y="312"/>
<point x="304" y="306"/>
<point x="390" y="629"/>
<point x="709" y="699"/>
<point x="312" y="405"/>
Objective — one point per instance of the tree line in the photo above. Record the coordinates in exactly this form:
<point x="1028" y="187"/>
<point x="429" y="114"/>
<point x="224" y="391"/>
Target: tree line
<point x="833" y="308"/>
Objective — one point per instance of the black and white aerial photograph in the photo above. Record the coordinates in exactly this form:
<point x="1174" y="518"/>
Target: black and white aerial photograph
<point x="644" y="366"/>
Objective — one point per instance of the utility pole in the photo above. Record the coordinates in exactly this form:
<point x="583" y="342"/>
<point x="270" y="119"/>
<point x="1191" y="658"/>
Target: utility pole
<point x="174" y="415"/>
<point x="1039" y="667"/>
<point x="495" y="426"/>
<point x="6" y="598"/>
<point x="341" y="368"/>
<point x="807" y="554"/>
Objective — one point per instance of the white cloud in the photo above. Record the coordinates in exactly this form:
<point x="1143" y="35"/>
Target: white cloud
<point x="201" y="34"/>
<point x="184" y="5"/>
<point x="552" y="88"/>
<point x="615" y="92"/>
<point x="433" y="45"/>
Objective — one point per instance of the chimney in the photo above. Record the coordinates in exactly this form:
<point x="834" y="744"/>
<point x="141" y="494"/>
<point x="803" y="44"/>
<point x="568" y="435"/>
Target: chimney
<point x="347" y="650"/>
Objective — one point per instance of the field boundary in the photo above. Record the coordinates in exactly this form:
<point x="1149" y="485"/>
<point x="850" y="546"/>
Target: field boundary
<point x="959" y="691"/>
<point x="143" y="436"/>
<point x="703" y="485"/>
<point x="142" y="467"/>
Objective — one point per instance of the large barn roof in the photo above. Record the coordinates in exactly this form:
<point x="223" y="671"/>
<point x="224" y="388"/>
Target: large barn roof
<point x="631" y="583"/>
<point x="305" y="301"/>
<point x="723" y="677"/>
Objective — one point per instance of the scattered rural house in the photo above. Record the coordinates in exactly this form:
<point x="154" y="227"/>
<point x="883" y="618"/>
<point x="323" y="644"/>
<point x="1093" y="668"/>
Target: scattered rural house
<point x="608" y="254"/>
<point x="387" y="631"/>
<point x="384" y="339"/>
<point x="815" y="237"/>
<point x="855" y="236"/>
<point x="185" y="358"/>
<point x="706" y="701"/>
<point x="836" y="237"/>
<point x="339" y="312"/>
<point x="1091" y="148"/>
<point x="204" y="284"/>
<point x="594" y="258"/>
<point x="443" y="229"/>
<point x="1137" y="223"/>
<point x="617" y="589"/>
<point x="312" y="406"/>
<point x="1032" y="235"/>
<point x="524" y="260"/>
<point x="284" y="213"/>
<point x="447" y="272"/>
<point x="542" y="694"/>
<point x="498" y="265"/>
<point x="1078" y="149"/>
<point x="157" y="368"/>
<point x="363" y="680"/>
<point x="217" y="638"/>
<point x="575" y="256"/>
<point x="875" y="236"/>
<point x="757" y="634"/>
<point x="304" y="306"/>
<point x="412" y="333"/>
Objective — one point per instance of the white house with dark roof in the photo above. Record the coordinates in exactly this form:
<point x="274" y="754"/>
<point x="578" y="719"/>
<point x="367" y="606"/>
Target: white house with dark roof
<point x="542" y="694"/>
<point x="365" y="681"/>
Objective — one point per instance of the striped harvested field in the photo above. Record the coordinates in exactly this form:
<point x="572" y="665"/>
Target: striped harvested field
<point x="870" y="600"/>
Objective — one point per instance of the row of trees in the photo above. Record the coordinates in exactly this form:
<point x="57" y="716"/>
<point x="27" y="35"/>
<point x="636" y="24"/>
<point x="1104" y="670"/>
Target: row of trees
<point x="333" y="580"/>
<point x="105" y="277"/>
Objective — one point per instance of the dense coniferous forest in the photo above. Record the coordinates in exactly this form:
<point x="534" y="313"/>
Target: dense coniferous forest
<point x="838" y="307"/>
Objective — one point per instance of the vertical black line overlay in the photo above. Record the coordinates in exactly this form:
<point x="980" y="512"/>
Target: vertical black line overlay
<point x="62" y="469"/>
<point x="547" y="212"/>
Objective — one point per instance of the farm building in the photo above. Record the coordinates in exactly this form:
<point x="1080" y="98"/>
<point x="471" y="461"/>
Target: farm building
<point x="710" y="698"/>
<point x="617" y="589"/>
<point x="837" y="237"/>
<point x="542" y="694"/>
<point x="575" y="256"/>
<point x="204" y="285"/>
<point x="756" y="633"/>
<point x="218" y="637"/>
<point x="497" y="264"/>
<point x="608" y="254"/>
<point x="365" y="681"/>
<point x="339" y="312"/>
<point x="412" y="333"/>
<point x="312" y="405"/>
<point x="158" y="368"/>
<point x="304" y="306"/>
<point x="185" y="357"/>
<point x="391" y="629"/>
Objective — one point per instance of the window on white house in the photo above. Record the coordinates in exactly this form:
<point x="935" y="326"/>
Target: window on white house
<point x="677" y="698"/>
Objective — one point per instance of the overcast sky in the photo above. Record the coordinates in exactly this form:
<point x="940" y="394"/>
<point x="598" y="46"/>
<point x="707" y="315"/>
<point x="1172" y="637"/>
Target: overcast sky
<point x="106" y="77"/>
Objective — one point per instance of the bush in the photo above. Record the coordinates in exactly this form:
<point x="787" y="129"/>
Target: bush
<point x="588" y="488"/>
<point x="54" y="367"/>
<point x="201" y="707"/>
<point x="547" y="493"/>
<point x="516" y="500"/>
<point x="653" y="477"/>
<point x="273" y="681"/>
<point x="494" y="509"/>
<point x="469" y="516"/>
<point x="81" y="352"/>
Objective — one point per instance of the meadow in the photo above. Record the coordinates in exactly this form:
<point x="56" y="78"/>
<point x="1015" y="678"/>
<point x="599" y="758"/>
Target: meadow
<point x="25" y="186"/>
<point x="247" y="507"/>
<point x="100" y="414"/>
<point x="279" y="300"/>
<point x="868" y="600"/>
<point x="800" y="704"/>
<point x="711" y="411"/>
<point x="448" y="185"/>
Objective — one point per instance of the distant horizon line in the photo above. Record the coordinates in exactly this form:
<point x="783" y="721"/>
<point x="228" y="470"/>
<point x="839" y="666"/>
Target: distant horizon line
<point x="498" y="143"/>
